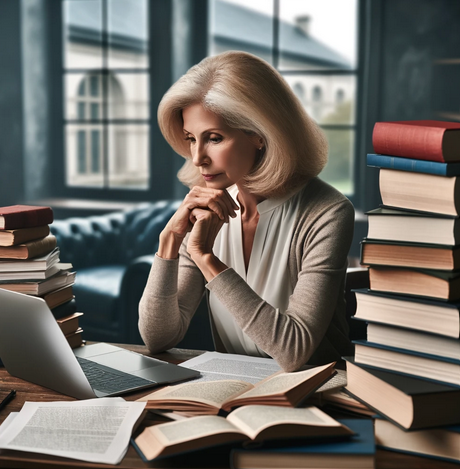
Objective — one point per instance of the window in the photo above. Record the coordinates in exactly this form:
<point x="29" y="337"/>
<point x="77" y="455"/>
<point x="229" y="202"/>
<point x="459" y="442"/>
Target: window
<point x="107" y="96"/>
<point x="313" y="43"/>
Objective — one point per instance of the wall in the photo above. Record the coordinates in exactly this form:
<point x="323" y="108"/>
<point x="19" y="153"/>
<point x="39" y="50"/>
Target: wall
<point x="11" y="116"/>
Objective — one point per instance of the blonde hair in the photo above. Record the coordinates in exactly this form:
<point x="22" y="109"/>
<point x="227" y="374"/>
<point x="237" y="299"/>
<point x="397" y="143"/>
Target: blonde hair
<point x="250" y="95"/>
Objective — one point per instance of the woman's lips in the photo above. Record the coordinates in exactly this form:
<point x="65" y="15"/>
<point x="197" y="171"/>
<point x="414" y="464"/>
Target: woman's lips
<point x="210" y="177"/>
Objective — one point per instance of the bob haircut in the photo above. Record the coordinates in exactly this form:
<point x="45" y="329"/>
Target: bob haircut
<point x="250" y="95"/>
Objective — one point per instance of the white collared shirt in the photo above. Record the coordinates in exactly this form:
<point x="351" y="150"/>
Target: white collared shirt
<point x="268" y="272"/>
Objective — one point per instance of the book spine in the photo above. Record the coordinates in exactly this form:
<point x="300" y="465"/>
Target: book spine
<point x="44" y="245"/>
<point x="409" y="141"/>
<point x="412" y="165"/>
<point x="28" y="218"/>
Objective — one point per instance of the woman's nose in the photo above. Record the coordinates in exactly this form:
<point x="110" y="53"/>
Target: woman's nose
<point x="199" y="156"/>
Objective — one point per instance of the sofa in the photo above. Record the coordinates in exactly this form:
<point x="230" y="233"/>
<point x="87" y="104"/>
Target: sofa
<point x="112" y="255"/>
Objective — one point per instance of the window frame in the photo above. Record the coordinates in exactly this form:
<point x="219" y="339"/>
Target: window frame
<point x="357" y="72"/>
<point x="162" y="171"/>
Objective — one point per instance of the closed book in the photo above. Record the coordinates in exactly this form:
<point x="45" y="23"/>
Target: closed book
<point x="421" y="365"/>
<point x="24" y="216"/>
<point x="437" y="443"/>
<point x="403" y="254"/>
<point x="23" y="235"/>
<point x="416" y="341"/>
<point x="40" y="287"/>
<point x="30" y="275"/>
<point x="69" y="324"/>
<point x="30" y="249"/>
<point x="356" y="452"/>
<point x="29" y="265"/>
<point x="418" y="191"/>
<point x="408" y="401"/>
<point x="413" y="165"/>
<point x="75" y="338"/>
<point x="421" y="139"/>
<point x="64" y="309"/>
<point x="419" y="313"/>
<point x="390" y="224"/>
<point x="423" y="282"/>
<point x="58" y="297"/>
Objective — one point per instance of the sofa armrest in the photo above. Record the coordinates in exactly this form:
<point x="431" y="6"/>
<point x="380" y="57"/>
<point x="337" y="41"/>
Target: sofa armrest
<point x="132" y="287"/>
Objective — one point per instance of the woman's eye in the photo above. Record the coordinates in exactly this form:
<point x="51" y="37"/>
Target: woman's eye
<point x="215" y="139"/>
<point x="190" y="139"/>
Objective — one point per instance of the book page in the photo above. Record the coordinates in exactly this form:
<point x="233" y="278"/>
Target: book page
<point x="213" y="393"/>
<point x="95" y="430"/>
<point x="253" y="419"/>
<point x="172" y="433"/>
<point x="282" y="382"/>
<point x="215" y="366"/>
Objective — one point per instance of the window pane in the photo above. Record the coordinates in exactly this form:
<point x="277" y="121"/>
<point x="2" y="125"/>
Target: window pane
<point x="339" y="169"/>
<point x="95" y="111"/>
<point x="129" y="96"/>
<point x="329" y="99"/>
<point x="81" y="163"/>
<point x="318" y="34"/>
<point x="95" y="151"/>
<point x="82" y="33"/>
<point x="83" y="155"/>
<point x="128" y="33"/>
<point x="128" y="156"/>
<point x="242" y="25"/>
<point x="83" y="96"/>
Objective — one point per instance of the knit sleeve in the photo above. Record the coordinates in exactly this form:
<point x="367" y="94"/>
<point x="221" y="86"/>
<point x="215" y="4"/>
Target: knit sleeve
<point x="291" y="337"/>
<point x="172" y="294"/>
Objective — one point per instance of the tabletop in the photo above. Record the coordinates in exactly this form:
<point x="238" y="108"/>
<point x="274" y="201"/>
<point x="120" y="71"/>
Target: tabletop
<point x="215" y="458"/>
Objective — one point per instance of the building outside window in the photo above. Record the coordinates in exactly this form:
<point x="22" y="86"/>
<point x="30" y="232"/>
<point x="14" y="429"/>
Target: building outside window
<point x="106" y="83"/>
<point x="313" y="43"/>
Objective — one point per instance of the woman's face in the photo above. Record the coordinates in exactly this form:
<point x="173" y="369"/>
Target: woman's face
<point x="223" y="155"/>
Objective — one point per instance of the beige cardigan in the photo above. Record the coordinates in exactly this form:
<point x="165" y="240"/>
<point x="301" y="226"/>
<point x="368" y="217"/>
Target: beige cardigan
<point x="313" y="328"/>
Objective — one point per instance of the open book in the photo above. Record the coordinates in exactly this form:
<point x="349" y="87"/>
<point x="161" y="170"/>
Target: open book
<point x="253" y="422"/>
<point x="280" y="389"/>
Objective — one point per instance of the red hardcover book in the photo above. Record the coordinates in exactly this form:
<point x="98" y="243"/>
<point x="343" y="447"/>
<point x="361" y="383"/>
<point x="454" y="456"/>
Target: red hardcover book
<point x="422" y="140"/>
<point x="24" y="216"/>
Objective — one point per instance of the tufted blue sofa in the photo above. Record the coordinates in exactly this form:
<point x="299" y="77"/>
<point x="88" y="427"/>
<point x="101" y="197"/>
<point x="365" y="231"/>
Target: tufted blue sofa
<point x="112" y="255"/>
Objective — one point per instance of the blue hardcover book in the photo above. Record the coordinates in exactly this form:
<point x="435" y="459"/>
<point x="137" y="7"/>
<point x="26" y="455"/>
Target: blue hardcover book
<point x="438" y="443"/>
<point x="358" y="451"/>
<point x="416" y="166"/>
<point x="422" y="365"/>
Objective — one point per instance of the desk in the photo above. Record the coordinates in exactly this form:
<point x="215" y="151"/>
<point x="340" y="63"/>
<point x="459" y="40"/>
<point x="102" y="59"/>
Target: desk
<point x="215" y="458"/>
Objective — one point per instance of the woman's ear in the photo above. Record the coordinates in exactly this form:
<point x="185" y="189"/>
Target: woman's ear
<point x="257" y="141"/>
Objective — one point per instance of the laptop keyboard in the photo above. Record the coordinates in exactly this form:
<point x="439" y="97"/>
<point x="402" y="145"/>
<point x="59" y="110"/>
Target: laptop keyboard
<point x="108" y="380"/>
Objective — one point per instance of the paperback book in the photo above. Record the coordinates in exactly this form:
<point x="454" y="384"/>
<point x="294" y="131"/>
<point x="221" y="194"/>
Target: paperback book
<point x="209" y="397"/>
<point x="248" y="423"/>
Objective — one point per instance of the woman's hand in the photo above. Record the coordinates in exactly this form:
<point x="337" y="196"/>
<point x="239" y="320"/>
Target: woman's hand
<point x="206" y="226"/>
<point x="216" y="201"/>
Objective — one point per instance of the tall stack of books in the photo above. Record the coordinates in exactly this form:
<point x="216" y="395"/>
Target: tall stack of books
<point x="30" y="264"/>
<point x="408" y="369"/>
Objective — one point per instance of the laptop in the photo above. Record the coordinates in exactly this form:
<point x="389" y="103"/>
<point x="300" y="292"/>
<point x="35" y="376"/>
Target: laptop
<point x="33" y="348"/>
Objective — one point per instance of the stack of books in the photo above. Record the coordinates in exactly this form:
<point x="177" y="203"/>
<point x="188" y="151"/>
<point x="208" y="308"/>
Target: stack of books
<point x="408" y="369"/>
<point x="30" y="264"/>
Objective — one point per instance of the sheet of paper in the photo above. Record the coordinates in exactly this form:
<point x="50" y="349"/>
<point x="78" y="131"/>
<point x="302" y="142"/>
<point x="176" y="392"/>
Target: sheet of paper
<point x="215" y="366"/>
<point x="7" y="422"/>
<point x="95" y="430"/>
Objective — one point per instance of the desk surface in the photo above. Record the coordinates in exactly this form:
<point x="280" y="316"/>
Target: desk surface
<point x="215" y="458"/>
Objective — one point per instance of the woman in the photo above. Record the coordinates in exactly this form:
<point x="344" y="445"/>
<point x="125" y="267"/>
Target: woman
<point x="258" y="231"/>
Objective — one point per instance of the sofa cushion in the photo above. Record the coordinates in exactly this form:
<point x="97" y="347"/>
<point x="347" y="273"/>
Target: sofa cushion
<point x="97" y="293"/>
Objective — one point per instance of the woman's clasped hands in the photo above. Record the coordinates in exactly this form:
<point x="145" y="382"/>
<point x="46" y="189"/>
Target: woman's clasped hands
<point x="202" y="213"/>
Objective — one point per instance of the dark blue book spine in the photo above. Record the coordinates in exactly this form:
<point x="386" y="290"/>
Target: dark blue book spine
<point x="416" y="166"/>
